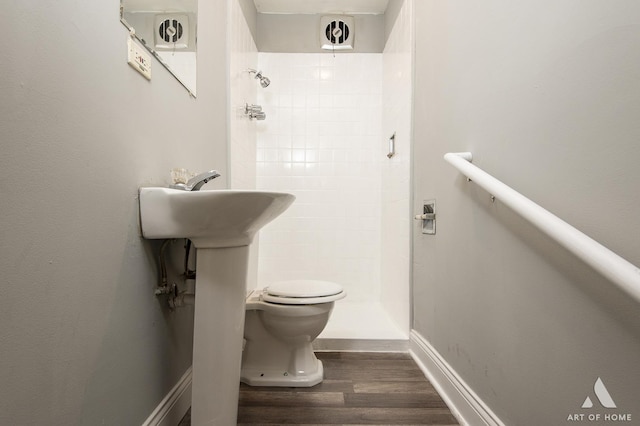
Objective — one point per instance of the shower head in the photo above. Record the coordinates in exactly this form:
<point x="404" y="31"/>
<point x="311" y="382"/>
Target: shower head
<point x="264" y="81"/>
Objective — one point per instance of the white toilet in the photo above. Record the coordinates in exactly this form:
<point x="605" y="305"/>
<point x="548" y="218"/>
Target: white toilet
<point x="281" y="322"/>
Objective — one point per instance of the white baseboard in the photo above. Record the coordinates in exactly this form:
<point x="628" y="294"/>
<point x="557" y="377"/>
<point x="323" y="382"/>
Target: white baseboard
<point x="465" y="405"/>
<point x="174" y="406"/>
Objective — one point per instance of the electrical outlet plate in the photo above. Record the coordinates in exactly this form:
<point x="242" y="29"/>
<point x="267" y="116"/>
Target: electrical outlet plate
<point x="139" y="58"/>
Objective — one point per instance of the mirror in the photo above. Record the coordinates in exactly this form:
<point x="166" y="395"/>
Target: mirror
<point x="167" y="28"/>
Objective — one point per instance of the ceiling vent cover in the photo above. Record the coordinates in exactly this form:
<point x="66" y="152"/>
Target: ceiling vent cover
<point x="337" y="32"/>
<point x="172" y="31"/>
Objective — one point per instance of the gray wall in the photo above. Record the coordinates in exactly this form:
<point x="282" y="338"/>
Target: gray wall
<point x="84" y="340"/>
<point x="390" y="16"/>
<point x="547" y="97"/>
<point x="250" y="15"/>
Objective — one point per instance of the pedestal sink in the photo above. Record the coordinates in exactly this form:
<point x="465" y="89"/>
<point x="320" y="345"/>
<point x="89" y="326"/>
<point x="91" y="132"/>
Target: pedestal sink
<point x="221" y="224"/>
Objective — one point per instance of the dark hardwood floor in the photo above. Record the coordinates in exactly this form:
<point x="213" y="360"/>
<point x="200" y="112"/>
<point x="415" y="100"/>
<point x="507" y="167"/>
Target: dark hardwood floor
<point x="358" y="389"/>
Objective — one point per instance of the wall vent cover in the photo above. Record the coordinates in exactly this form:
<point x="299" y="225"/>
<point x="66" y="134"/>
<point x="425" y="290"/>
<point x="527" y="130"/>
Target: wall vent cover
<point x="337" y="32"/>
<point x="172" y="31"/>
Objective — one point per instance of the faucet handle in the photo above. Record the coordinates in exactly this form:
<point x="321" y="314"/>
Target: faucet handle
<point x="180" y="175"/>
<point x="252" y="109"/>
<point x="258" y="115"/>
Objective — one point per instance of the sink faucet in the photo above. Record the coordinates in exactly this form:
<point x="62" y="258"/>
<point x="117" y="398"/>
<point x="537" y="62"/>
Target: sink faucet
<point x="196" y="182"/>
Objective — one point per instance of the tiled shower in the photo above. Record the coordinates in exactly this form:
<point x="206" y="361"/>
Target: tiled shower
<point x="325" y="139"/>
<point x="321" y="142"/>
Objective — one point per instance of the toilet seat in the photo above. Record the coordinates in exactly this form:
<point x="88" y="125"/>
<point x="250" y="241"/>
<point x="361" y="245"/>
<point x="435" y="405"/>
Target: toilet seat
<point x="302" y="292"/>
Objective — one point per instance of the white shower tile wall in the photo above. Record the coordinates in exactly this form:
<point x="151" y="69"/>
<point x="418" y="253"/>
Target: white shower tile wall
<point x="243" y="55"/>
<point x="396" y="187"/>
<point x="321" y="142"/>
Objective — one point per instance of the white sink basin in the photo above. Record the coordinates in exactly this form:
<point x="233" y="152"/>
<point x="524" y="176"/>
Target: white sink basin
<point x="210" y="219"/>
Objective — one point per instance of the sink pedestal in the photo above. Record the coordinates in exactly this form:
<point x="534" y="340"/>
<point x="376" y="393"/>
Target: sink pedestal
<point x="221" y="275"/>
<point x="221" y="224"/>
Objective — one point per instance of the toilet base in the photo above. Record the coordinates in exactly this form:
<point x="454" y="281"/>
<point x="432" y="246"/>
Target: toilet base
<point x="272" y="377"/>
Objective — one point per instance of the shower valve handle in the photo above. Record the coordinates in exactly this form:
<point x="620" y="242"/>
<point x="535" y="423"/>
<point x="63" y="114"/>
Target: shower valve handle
<point x="252" y="109"/>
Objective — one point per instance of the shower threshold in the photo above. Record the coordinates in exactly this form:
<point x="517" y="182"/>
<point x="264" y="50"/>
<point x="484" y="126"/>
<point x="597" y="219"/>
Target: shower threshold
<point x="361" y="326"/>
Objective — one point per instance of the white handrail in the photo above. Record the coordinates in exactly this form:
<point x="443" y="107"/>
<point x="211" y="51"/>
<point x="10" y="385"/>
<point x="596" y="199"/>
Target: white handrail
<point x="609" y="264"/>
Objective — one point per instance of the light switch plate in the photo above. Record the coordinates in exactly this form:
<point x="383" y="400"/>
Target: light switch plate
<point x="139" y="58"/>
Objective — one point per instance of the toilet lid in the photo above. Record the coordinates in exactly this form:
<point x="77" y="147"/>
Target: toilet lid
<point x="297" y="292"/>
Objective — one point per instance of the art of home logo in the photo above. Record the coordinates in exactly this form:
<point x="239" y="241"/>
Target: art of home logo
<point x="605" y="400"/>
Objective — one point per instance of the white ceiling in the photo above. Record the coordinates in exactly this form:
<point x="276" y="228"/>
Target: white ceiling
<point x="322" y="6"/>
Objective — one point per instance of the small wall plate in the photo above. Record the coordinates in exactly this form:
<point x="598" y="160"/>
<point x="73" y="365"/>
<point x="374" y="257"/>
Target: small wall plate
<point x="429" y="217"/>
<point x="139" y="58"/>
